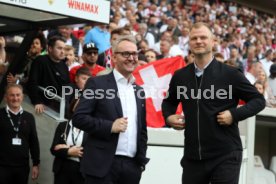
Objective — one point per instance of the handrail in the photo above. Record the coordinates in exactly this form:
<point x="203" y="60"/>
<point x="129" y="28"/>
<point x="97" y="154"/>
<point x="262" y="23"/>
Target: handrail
<point x="268" y="111"/>
<point x="59" y="116"/>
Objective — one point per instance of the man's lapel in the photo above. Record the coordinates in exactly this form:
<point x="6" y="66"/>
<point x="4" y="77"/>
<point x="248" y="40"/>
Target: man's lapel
<point x="117" y="102"/>
<point x="138" y="104"/>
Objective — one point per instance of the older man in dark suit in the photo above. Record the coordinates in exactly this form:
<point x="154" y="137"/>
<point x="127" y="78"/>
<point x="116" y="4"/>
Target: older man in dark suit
<point x="112" y="112"/>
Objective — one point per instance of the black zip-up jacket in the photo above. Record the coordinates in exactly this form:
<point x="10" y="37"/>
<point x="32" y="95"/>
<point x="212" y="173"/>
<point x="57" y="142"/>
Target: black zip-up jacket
<point x="204" y="137"/>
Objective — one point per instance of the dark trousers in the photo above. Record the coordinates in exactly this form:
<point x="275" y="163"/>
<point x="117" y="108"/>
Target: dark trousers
<point x="69" y="173"/>
<point x="124" y="170"/>
<point x="14" y="175"/>
<point x="221" y="170"/>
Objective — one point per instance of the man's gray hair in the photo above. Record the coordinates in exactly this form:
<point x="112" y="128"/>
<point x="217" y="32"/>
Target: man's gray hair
<point x="121" y="38"/>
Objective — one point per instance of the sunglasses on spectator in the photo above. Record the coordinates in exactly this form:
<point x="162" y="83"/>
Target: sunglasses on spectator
<point x="127" y="54"/>
<point x="92" y="52"/>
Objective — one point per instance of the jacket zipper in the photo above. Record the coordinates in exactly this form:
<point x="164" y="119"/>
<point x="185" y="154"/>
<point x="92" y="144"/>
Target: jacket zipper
<point x="197" y="102"/>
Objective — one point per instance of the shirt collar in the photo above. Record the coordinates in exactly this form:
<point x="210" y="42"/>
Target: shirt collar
<point x="119" y="77"/>
<point x="15" y="113"/>
<point x="199" y="71"/>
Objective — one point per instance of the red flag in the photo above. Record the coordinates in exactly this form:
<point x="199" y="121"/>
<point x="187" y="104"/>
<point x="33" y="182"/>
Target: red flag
<point x="155" y="77"/>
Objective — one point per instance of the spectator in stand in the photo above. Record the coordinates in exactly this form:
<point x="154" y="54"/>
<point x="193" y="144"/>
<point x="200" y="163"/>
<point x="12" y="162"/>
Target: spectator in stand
<point x="184" y="41"/>
<point x="143" y="46"/>
<point x="252" y="73"/>
<point x="225" y="51"/>
<point x="48" y="70"/>
<point x="268" y="94"/>
<point x="3" y="66"/>
<point x="250" y="58"/>
<point x="90" y="57"/>
<point x="70" y="57"/>
<point x="18" y="139"/>
<point x="150" y="56"/>
<point x="112" y="26"/>
<point x="125" y="20"/>
<point x="230" y="62"/>
<point x="234" y="56"/>
<point x="173" y="27"/>
<point x="75" y="89"/>
<point x="259" y="50"/>
<point x="133" y="24"/>
<point x="190" y="58"/>
<point x="66" y="32"/>
<point x="37" y="48"/>
<point x="175" y="49"/>
<point x="269" y="98"/>
<point x="272" y="79"/>
<point x="165" y="47"/>
<point x="105" y="58"/>
<point x="152" y="27"/>
<point x="267" y="61"/>
<point x="100" y="36"/>
<point x="164" y="36"/>
<point x="219" y="57"/>
<point x="143" y="30"/>
<point x="2" y="50"/>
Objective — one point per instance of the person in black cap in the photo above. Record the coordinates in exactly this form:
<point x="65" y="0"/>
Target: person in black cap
<point x="90" y="57"/>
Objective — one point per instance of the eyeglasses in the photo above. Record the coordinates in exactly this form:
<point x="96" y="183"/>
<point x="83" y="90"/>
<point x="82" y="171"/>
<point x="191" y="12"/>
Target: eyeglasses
<point x="92" y="52"/>
<point x="127" y="54"/>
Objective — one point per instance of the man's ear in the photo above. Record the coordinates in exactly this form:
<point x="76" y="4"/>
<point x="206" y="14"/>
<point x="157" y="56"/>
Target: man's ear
<point x="113" y="58"/>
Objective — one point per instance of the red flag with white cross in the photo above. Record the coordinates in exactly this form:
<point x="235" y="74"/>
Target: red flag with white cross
<point x="155" y="77"/>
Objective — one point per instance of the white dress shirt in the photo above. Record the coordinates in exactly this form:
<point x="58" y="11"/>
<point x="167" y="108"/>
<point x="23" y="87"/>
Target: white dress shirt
<point x="266" y="66"/>
<point x="78" y="137"/>
<point x="20" y="111"/>
<point x="127" y="143"/>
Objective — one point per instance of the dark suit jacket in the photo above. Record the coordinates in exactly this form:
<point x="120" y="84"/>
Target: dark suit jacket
<point x="96" y="116"/>
<point x="59" y="138"/>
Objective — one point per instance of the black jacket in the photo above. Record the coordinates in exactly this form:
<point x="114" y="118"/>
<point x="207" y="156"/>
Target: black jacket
<point x="13" y="155"/>
<point x="95" y="115"/>
<point x="45" y="72"/>
<point x="59" y="138"/>
<point x="204" y="137"/>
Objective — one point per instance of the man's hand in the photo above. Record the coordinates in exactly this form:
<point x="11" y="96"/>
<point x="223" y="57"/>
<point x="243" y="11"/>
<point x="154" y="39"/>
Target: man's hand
<point x="176" y="121"/>
<point x="39" y="108"/>
<point x="2" y="42"/>
<point x="11" y="79"/>
<point x="35" y="172"/>
<point x="119" y="125"/>
<point x="225" y="118"/>
<point x="75" y="151"/>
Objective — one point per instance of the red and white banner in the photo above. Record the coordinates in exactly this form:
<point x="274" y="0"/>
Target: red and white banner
<point x="155" y="77"/>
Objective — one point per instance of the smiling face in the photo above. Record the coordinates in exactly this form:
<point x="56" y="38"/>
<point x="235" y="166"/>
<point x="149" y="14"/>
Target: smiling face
<point x="35" y="48"/>
<point x="14" y="98"/>
<point x="125" y="65"/>
<point x="201" y="41"/>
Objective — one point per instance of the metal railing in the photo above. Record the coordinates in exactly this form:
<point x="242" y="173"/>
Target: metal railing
<point x="58" y="116"/>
